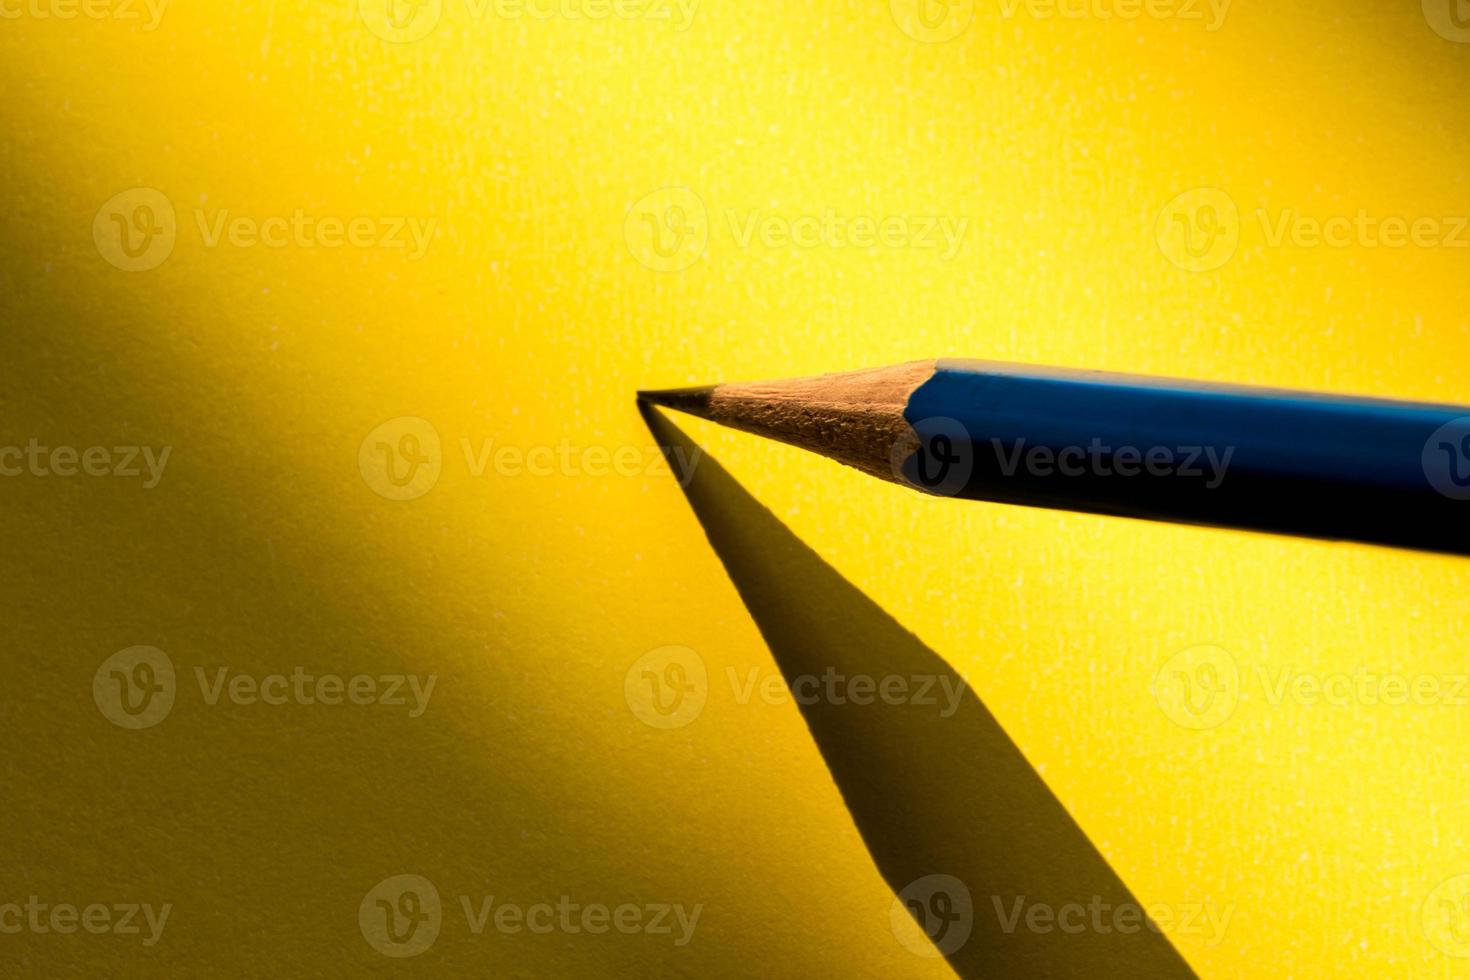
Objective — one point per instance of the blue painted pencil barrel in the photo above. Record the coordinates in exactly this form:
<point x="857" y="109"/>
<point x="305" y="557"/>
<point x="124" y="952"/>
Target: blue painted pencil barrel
<point x="1326" y="466"/>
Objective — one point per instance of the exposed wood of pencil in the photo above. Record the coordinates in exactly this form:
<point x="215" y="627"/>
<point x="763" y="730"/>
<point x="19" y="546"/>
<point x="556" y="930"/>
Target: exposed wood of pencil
<point x="854" y="417"/>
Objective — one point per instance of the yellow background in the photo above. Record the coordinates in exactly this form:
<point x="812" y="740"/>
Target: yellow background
<point x="530" y="321"/>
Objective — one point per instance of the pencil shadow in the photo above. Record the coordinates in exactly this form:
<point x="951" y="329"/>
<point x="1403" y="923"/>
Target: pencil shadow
<point x="935" y="789"/>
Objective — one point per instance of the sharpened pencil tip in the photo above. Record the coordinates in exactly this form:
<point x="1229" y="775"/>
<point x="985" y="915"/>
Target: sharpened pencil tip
<point x="695" y="401"/>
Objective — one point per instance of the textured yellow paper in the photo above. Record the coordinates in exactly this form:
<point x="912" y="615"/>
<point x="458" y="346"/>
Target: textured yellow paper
<point x="608" y="199"/>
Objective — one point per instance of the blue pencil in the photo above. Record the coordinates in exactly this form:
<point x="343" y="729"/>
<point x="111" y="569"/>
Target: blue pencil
<point x="1290" y="462"/>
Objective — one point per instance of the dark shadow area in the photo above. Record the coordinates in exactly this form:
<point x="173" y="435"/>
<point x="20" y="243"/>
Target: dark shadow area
<point x="934" y="788"/>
